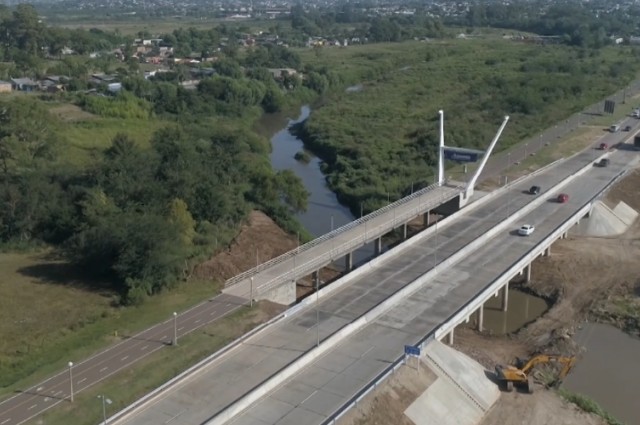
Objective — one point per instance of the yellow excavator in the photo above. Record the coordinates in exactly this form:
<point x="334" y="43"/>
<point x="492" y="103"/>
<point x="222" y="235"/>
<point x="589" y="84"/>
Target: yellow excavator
<point x="520" y="373"/>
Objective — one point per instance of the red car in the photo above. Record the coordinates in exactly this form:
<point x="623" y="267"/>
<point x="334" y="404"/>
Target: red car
<point x="563" y="198"/>
<point x="603" y="147"/>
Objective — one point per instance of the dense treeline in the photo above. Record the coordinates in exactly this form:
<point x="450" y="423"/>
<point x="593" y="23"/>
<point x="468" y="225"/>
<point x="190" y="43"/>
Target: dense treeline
<point x="324" y="23"/>
<point x="379" y="142"/>
<point x="577" y="23"/>
<point x="135" y="215"/>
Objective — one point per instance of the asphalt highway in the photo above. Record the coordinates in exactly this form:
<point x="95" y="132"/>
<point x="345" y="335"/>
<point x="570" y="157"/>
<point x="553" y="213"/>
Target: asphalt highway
<point x="35" y="400"/>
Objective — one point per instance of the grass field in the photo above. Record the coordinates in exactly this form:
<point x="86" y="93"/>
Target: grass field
<point x="86" y="135"/>
<point x="161" y="26"/>
<point x="56" y="318"/>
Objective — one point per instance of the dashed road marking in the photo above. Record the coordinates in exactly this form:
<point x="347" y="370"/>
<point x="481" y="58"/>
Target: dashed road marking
<point x="124" y="358"/>
<point x="163" y="337"/>
<point x="197" y="321"/>
<point x="181" y="328"/>
<point x="39" y="388"/>
<point x="56" y="394"/>
<point x="104" y="368"/>
<point x="144" y="348"/>
<point x="32" y="406"/>
<point x="5" y="421"/>
<point x="82" y="380"/>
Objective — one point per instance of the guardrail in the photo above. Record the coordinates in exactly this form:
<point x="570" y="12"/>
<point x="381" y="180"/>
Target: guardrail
<point x="252" y="272"/>
<point x="461" y="313"/>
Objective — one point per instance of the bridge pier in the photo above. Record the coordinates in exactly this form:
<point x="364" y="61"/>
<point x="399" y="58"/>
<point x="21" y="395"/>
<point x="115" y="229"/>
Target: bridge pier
<point x="527" y="273"/>
<point x="480" y="318"/>
<point x="377" y="246"/>
<point x="315" y="278"/>
<point x="427" y="219"/>
<point x="404" y="231"/>
<point x="450" y="337"/>
<point x="505" y="297"/>
<point x="547" y="251"/>
<point x="348" y="262"/>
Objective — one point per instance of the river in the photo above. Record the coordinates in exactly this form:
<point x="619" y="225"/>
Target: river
<point x="324" y="212"/>
<point x="607" y="371"/>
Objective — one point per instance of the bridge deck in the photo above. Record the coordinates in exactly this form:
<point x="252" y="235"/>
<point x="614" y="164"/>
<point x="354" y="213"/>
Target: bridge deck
<point x="310" y="257"/>
<point x="261" y="356"/>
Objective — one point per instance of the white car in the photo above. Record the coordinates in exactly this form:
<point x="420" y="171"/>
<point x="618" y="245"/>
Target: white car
<point x="526" y="230"/>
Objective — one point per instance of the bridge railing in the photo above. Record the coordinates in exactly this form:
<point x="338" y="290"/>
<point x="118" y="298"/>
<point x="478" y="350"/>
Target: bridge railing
<point x="317" y="241"/>
<point x="349" y="245"/>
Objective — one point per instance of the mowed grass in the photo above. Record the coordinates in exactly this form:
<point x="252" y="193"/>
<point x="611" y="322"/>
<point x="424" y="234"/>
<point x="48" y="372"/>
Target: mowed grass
<point x="126" y="386"/>
<point x="49" y="316"/>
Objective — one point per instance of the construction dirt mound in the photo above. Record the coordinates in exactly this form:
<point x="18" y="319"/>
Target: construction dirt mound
<point x="604" y="221"/>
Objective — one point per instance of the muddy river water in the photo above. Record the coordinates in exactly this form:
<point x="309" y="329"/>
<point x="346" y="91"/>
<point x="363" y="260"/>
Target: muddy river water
<point x="608" y="371"/>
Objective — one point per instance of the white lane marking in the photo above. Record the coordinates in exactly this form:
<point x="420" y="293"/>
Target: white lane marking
<point x="310" y="395"/>
<point x="181" y="328"/>
<point x="82" y="380"/>
<point x="197" y="321"/>
<point x="32" y="406"/>
<point x="104" y="368"/>
<point x="5" y="421"/>
<point x="39" y="388"/>
<point x="144" y="348"/>
<point x="46" y="399"/>
<point x="56" y="394"/>
<point x="212" y="313"/>
<point x="124" y="358"/>
<point x="163" y="337"/>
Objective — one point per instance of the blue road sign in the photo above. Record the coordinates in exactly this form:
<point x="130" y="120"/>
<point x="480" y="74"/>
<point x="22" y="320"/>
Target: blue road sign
<point x="410" y="350"/>
<point x="462" y="154"/>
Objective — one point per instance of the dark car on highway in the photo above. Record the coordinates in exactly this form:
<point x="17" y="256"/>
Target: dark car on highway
<point x="603" y="162"/>
<point x="627" y="128"/>
<point x="534" y="190"/>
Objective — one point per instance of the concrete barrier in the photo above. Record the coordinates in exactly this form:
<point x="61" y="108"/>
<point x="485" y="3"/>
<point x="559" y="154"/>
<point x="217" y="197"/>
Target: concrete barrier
<point x="274" y="381"/>
<point x="536" y="251"/>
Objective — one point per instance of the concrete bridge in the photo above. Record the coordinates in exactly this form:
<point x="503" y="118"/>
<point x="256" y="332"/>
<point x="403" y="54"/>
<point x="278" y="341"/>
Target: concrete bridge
<point x="310" y="363"/>
<point x="275" y="280"/>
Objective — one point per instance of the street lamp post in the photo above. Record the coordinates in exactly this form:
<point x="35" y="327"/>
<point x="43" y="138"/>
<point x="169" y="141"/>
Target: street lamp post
<point x="251" y="293"/>
<point x="105" y="401"/>
<point x="71" y="379"/>
<point x="318" y="310"/>
<point x="175" y="328"/>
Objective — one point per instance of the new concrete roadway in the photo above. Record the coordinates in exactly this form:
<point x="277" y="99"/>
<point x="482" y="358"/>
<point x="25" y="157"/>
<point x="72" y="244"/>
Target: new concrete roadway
<point x="315" y="393"/>
<point x="244" y="368"/>
<point x="56" y="389"/>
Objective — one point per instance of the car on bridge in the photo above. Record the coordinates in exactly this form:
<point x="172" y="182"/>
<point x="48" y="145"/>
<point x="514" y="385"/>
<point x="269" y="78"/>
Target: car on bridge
<point x="627" y="128"/>
<point x="563" y="198"/>
<point x="526" y="230"/>
<point x="603" y="162"/>
<point x="534" y="190"/>
<point x="603" y="147"/>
